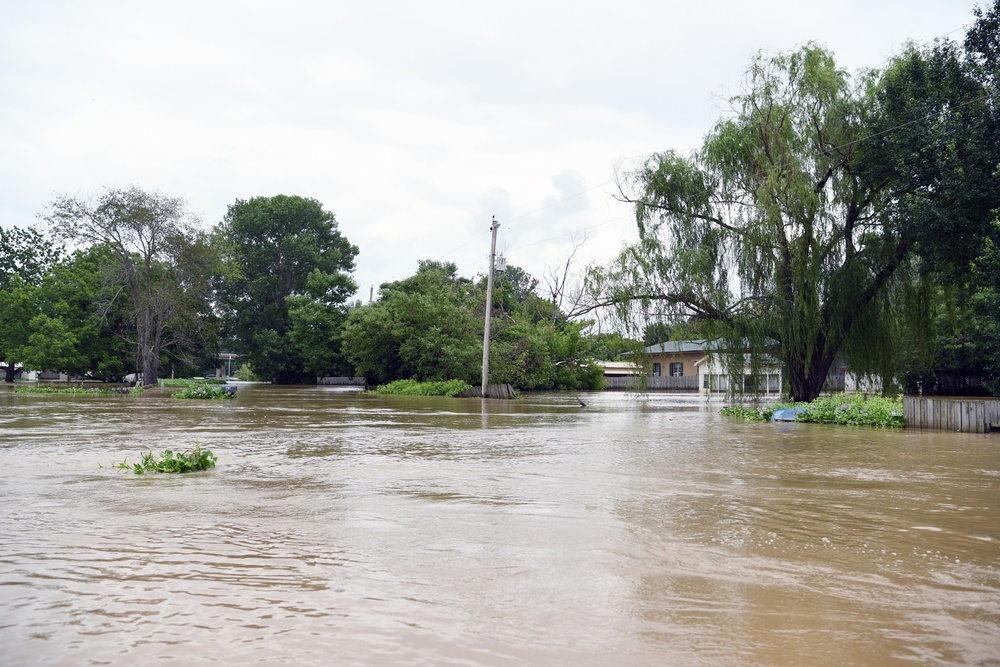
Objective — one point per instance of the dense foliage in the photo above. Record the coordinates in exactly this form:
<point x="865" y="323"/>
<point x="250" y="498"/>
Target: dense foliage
<point x="414" y="388"/>
<point x="429" y="327"/>
<point x="846" y="410"/>
<point x="284" y="286"/>
<point x="157" y="261"/>
<point x="424" y="327"/>
<point x="818" y="220"/>
<point x="205" y="391"/>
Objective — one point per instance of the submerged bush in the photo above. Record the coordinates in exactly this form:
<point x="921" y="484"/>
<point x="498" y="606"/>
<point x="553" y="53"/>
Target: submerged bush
<point x="855" y="410"/>
<point x="843" y="409"/>
<point x="205" y="391"/>
<point x="754" y="414"/>
<point x="168" y="461"/>
<point x="414" y="388"/>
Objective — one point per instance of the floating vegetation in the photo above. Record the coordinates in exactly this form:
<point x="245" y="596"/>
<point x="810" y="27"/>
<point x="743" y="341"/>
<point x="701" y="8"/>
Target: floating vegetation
<point x="87" y="391"/>
<point x="206" y="391"/>
<point x="414" y="388"/>
<point x="846" y="410"/>
<point x="193" y="461"/>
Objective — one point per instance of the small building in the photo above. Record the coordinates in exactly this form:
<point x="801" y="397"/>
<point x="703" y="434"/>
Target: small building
<point x="695" y="365"/>
<point x="676" y="358"/>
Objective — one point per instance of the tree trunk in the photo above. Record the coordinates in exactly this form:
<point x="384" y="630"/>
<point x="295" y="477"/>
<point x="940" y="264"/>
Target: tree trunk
<point x="806" y="381"/>
<point x="10" y="372"/>
<point x="145" y="351"/>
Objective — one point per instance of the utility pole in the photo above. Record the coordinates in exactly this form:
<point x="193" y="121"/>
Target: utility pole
<point x="489" y="308"/>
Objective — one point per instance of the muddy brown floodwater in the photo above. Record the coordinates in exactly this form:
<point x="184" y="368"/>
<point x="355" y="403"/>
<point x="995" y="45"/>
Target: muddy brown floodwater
<point x="350" y="529"/>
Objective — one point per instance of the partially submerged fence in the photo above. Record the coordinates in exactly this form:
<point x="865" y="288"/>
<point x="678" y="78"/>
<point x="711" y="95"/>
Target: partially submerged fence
<point x="662" y="383"/>
<point x="342" y="381"/>
<point x="966" y="415"/>
<point x="492" y="391"/>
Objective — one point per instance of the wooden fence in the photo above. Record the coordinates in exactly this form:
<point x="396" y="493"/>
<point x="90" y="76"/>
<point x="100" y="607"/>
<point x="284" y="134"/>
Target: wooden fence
<point x="966" y="415"/>
<point x="492" y="391"/>
<point x="662" y="383"/>
<point x="341" y="381"/>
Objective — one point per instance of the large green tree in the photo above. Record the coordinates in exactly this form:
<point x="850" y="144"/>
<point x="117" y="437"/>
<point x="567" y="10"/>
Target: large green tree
<point x="26" y="257"/>
<point x="426" y="327"/>
<point x="936" y="141"/>
<point x="148" y="234"/>
<point x="781" y="234"/>
<point x="765" y="235"/>
<point x="79" y="325"/>
<point x="286" y="279"/>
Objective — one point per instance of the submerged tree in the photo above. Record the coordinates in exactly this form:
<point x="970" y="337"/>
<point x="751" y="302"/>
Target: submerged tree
<point x="780" y="235"/>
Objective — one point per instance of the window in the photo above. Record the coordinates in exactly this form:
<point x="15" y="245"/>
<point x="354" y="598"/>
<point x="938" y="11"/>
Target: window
<point x="676" y="369"/>
<point x="656" y="369"/>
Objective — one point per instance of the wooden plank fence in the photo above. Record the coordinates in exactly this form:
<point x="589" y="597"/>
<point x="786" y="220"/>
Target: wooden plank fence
<point x="662" y="383"/>
<point x="492" y="391"/>
<point x="965" y="415"/>
<point x="342" y="381"/>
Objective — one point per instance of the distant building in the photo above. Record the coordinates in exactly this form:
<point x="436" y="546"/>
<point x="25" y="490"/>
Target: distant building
<point x="675" y="358"/>
<point x="695" y="365"/>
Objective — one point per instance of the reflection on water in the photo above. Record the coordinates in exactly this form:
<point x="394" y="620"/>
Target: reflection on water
<point x="351" y="529"/>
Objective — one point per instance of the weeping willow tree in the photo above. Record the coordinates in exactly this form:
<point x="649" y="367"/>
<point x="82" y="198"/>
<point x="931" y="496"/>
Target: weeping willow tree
<point x="776" y="237"/>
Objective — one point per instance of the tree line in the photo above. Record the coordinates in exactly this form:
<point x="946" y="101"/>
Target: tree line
<point x="146" y="288"/>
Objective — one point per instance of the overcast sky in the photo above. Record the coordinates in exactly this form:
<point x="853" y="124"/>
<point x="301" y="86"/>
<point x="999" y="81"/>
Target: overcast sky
<point x="413" y="122"/>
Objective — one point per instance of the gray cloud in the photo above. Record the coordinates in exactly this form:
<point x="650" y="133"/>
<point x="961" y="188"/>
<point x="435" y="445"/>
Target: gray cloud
<point x="413" y="122"/>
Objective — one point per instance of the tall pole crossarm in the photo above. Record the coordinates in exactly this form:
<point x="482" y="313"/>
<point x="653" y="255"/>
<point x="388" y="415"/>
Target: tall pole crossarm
<point x="489" y="307"/>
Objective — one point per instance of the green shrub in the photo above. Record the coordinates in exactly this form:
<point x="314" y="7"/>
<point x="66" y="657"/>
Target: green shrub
<point x="844" y="409"/>
<point x="855" y="410"/>
<point x="168" y="461"/>
<point x="245" y="373"/>
<point x="414" y="388"/>
<point x="204" y="391"/>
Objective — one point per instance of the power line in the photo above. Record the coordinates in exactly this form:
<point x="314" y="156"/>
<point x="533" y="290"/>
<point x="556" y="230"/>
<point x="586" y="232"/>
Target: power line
<point x="576" y="231"/>
<point x="561" y="201"/>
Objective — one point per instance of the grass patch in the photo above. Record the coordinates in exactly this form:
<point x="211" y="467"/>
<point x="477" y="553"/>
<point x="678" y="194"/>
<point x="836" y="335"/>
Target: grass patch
<point x="193" y="461"/>
<point x="205" y="392"/>
<point x="414" y="388"/>
<point x="846" y="410"/>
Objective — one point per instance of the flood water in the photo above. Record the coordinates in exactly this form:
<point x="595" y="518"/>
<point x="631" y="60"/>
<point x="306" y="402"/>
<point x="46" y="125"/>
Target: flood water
<point x="349" y="529"/>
